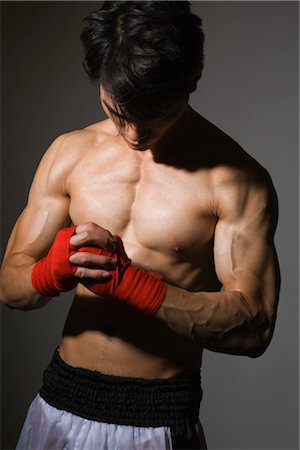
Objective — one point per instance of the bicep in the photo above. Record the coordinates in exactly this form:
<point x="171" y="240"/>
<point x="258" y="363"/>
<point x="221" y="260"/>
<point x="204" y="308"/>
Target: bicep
<point x="244" y="252"/>
<point x="46" y="212"/>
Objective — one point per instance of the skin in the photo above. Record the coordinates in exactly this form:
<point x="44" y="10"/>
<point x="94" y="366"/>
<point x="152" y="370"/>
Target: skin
<point x="189" y="203"/>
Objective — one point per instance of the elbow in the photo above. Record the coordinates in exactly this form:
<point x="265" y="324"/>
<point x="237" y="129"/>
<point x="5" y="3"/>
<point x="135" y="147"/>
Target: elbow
<point x="260" y="343"/>
<point x="25" y="305"/>
<point x="16" y="303"/>
<point x="261" y="333"/>
<point x="255" y="352"/>
<point x="7" y="301"/>
<point x="253" y="340"/>
<point x="26" y="300"/>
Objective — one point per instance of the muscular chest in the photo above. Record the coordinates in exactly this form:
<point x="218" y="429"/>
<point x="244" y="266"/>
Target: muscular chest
<point x="148" y="204"/>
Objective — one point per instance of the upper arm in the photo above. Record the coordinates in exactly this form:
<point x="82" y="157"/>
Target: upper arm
<point x="47" y="208"/>
<point x="244" y="252"/>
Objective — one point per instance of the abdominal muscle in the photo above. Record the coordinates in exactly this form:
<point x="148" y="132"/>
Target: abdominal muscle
<point x="114" y="338"/>
<point x="105" y="335"/>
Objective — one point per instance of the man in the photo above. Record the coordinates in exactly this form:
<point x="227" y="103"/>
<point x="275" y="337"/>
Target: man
<point x="187" y="202"/>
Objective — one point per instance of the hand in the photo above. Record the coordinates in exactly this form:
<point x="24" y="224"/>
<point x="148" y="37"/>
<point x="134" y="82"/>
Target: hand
<point x="143" y="290"/>
<point x="93" y="266"/>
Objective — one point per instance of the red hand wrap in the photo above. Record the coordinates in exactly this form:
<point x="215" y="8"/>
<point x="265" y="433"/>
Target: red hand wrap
<point x="144" y="290"/>
<point x="53" y="273"/>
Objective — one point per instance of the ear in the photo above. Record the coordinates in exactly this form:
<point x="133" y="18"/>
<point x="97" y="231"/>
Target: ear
<point x="195" y="78"/>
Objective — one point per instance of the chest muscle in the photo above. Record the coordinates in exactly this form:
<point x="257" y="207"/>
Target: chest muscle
<point x="154" y="206"/>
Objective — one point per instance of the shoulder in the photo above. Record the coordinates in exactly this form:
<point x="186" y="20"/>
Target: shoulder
<point x="77" y="142"/>
<point x="67" y="150"/>
<point x="239" y="182"/>
<point x="245" y="199"/>
<point x="245" y="194"/>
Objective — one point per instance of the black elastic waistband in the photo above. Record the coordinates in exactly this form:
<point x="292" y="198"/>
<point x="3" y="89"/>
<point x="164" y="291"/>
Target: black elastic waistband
<point x="122" y="400"/>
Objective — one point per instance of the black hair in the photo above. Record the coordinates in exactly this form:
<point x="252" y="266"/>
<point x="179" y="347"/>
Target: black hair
<point x="143" y="53"/>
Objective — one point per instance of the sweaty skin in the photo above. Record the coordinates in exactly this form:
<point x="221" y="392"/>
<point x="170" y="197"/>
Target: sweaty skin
<point x="193" y="206"/>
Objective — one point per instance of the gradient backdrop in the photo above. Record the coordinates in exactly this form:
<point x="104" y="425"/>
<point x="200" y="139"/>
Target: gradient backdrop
<point x="249" y="89"/>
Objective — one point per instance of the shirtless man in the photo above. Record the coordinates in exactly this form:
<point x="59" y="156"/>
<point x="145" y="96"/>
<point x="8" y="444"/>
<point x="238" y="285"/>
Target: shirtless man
<point x="186" y="201"/>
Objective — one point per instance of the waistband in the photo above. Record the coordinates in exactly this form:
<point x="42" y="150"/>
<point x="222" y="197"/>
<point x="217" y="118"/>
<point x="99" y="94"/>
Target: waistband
<point x="122" y="400"/>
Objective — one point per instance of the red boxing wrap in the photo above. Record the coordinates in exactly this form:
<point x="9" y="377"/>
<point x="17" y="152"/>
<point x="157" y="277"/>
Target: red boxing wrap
<point x="53" y="273"/>
<point x="144" y="290"/>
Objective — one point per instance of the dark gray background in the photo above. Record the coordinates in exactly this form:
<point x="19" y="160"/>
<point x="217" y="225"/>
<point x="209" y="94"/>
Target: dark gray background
<point x="249" y="89"/>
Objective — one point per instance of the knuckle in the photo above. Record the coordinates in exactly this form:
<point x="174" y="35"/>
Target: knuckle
<point x="83" y="259"/>
<point x="90" y="226"/>
<point x="78" y="227"/>
<point x="102" y="275"/>
<point x="87" y="236"/>
<point x="84" y="235"/>
<point x="84" y="228"/>
<point x="80" y="273"/>
<point x="107" y="260"/>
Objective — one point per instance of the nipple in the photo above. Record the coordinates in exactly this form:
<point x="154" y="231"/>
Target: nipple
<point x="176" y="248"/>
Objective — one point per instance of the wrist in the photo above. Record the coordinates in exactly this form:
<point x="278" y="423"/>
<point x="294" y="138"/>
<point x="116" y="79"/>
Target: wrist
<point x="54" y="274"/>
<point x="143" y="290"/>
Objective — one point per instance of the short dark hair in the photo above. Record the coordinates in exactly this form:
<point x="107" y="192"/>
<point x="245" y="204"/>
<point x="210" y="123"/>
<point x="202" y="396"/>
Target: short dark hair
<point x="143" y="53"/>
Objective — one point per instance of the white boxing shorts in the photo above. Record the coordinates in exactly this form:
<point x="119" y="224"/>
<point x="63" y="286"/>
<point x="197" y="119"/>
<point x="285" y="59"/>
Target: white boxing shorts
<point x="79" y="409"/>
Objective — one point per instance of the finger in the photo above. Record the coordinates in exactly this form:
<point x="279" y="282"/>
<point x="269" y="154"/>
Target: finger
<point x="111" y="244"/>
<point x="89" y="227"/>
<point x="84" y="239"/>
<point x="92" y="234"/>
<point x="92" y="274"/>
<point x="86" y="259"/>
<point x="77" y="239"/>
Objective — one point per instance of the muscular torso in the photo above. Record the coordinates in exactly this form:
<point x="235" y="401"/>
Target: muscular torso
<point x="166" y="216"/>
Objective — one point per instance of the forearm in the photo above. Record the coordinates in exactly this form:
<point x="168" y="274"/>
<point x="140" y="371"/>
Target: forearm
<point x="16" y="290"/>
<point x="219" y="321"/>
